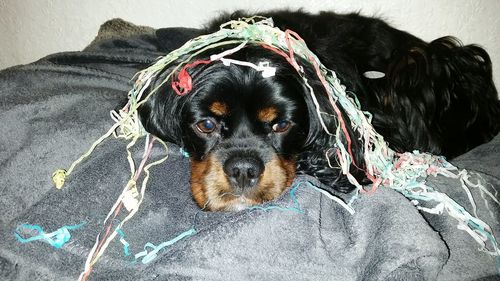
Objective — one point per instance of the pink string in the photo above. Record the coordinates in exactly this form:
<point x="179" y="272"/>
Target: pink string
<point x="144" y="159"/>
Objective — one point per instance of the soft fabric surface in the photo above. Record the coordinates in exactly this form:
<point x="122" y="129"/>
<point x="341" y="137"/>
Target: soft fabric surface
<point x="52" y="110"/>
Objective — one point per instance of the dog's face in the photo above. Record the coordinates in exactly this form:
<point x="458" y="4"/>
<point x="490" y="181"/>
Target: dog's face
<point x="242" y="131"/>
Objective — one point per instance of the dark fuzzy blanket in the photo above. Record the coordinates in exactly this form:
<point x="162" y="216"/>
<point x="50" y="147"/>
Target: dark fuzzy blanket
<point x="52" y="110"/>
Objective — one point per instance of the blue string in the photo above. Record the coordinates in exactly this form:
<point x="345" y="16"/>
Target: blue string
<point x="149" y="256"/>
<point x="57" y="239"/>
<point x="126" y="245"/>
<point x="296" y="204"/>
<point x="183" y="152"/>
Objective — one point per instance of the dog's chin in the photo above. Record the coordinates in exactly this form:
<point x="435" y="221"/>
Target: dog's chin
<point x="235" y="204"/>
<point x="232" y="201"/>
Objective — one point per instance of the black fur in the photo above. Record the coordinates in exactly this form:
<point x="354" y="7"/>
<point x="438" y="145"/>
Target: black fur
<point x="436" y="97"/>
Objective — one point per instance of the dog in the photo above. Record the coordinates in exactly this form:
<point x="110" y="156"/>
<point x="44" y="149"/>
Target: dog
<point x="249" y="136"/>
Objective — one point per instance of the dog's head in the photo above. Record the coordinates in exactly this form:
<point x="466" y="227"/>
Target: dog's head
<point x="242" y="131"/>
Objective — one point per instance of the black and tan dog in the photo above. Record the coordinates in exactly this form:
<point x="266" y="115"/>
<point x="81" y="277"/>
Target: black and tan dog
<point x="248" y="136"/>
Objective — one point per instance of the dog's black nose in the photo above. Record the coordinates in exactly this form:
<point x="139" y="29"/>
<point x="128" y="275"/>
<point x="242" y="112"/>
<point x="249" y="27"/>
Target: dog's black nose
<point x="243" y="172"/>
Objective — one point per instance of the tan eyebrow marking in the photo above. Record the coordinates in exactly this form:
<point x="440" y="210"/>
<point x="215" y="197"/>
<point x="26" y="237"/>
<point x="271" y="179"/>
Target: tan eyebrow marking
<point x="219" y="108"/>
<point x="267" y="114"/>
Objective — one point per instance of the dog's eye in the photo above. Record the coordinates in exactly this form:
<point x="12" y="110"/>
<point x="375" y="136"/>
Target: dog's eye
<point x="206" y="126"/>
<point x="281" y="126"/>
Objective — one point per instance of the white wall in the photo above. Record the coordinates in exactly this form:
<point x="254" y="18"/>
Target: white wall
<point x="31" y="29"/>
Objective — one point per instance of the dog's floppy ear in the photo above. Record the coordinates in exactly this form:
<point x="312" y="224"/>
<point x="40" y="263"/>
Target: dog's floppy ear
<point x="161" y="113"/>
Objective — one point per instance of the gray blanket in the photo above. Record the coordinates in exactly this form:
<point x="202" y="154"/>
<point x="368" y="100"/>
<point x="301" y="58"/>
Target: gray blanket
<point x="52" y="110"/>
